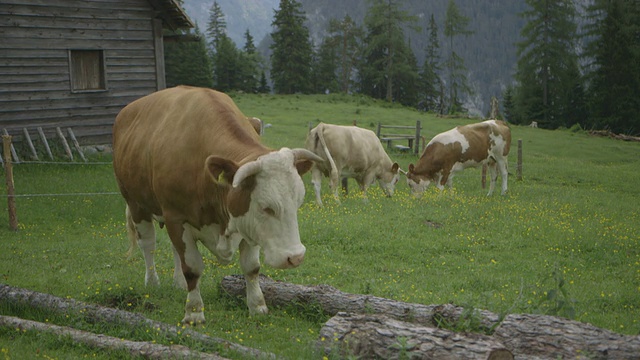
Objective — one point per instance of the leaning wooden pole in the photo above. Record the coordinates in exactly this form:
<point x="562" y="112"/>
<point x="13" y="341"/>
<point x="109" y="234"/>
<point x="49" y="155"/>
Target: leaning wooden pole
<point x="519" y="168"/>
<point x="8" y="173"/>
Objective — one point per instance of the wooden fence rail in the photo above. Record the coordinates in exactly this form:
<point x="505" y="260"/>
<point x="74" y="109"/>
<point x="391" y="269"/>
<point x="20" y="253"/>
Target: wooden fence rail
<point x="401" y="132"/>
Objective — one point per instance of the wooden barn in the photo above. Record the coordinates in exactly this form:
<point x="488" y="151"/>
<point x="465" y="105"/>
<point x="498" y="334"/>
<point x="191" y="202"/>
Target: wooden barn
<point x="75" y="63"/>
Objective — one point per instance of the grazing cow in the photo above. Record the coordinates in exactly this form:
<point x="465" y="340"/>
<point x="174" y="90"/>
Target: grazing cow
<point x="352" y="152"/>
<point x="188" y="158"/>
<point x="459" y="148"/>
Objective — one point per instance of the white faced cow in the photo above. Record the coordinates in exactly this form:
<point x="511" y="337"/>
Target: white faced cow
<point x="189" y="159"/>
<point x="459" y="148"/>
<point x="352" y="152"/>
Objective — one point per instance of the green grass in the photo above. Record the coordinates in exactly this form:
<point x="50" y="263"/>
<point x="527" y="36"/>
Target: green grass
<point x="564" y="241"/>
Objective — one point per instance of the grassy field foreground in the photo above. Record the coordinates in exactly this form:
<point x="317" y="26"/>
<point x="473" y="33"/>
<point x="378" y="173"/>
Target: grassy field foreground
<point x="564" y="241"/>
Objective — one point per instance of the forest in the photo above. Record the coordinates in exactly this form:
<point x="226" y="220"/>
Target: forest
<point x="559" y="63"/>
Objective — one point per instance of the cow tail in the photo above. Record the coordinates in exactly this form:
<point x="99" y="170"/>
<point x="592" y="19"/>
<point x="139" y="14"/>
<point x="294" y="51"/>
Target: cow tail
<point x="132" y="233"/>
<point x="334" y="169"/>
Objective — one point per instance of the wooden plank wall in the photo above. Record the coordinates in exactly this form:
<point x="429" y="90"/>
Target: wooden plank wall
<point x="35" y="87"/>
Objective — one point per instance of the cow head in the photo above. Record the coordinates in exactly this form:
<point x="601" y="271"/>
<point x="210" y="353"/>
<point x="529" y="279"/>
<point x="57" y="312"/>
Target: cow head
<point x="263" y="201"/>
<point x="389" y="179"/>
<point x="417" y="183"/>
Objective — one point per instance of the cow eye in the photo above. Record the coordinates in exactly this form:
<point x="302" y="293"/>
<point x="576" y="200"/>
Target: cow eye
<point x="269" y="211"/>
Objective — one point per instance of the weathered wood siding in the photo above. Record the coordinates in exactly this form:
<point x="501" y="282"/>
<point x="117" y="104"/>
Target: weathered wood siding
<point x="35" y="87"/>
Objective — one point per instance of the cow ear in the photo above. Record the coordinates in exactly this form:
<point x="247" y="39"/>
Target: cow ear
<point x="394" y="168"/>
<point x="411" y="168"/>
<point x="303" y="166"/>
<point x="221" y="170"/>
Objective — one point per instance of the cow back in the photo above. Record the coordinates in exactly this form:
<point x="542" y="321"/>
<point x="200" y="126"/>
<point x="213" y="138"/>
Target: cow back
<point x="162" y="140"/>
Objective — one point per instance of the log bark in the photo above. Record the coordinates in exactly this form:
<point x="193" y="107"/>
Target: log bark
<point x="95" y="313"/>
<point x="382" y="337"/>
<point x="549" y="337"/>
<point x="332" y="301"/>
<point x="530" y="337"/>
<point x="135" y="348"/>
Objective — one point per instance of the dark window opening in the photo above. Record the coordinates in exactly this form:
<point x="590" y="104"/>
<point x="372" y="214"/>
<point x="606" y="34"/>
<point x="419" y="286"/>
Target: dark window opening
<point x="87" y="70"/>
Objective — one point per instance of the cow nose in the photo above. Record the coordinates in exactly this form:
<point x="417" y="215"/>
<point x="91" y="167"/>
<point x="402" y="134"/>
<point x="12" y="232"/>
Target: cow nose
<point x="295" y="260"/>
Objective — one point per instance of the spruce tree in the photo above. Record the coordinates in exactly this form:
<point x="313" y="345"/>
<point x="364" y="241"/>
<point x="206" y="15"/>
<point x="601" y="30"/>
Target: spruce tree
<point x="225" y="54"/>
<point x="188" y="62"/>
<point x="547" y="68"/>
<point x="456" y="24"/>
<point x="387" y="59"/>
<point x="430" y="96"/>
<point x="614" y="80"/>
<point x="324" y="68"/>
<point x="292" y="52"/>
<point x="249" y="65"/>
<point x="346" y="36"/>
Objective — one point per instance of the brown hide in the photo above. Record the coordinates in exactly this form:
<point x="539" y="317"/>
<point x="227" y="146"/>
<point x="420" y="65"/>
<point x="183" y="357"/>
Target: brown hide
<point x="443" y="155"/>
<point x="161" y="144"/>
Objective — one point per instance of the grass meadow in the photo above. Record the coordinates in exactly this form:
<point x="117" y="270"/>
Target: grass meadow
<point x="564" y="241"/>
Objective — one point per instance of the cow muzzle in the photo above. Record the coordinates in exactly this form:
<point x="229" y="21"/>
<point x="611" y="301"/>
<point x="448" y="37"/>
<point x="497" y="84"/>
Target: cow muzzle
<point x="284" y="259"/>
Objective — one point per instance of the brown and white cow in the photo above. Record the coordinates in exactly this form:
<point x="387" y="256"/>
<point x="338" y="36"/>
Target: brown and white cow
<point x="459" y="148"/>
<point x="188" y="158"/>
<point x="352" y="152"/>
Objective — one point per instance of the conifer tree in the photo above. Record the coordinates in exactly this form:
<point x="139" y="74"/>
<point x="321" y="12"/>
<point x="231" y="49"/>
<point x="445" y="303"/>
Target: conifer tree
<point x="249" y="65"/>
<point x="324" y="68"/>
<point x="225" y="54"/>
<point x="346" y="36"/>
<point x="387" y="59"/>
<point x="430" y="96"/>
<point x="188" y="62"/>
<point x="547" y="68"/>
<point x="614" y="80"/>
<point x="456" y="24"/>
<point x="292" y="52"/>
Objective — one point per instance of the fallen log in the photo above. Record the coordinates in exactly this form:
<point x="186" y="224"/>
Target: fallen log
<point x="535" y="337"/>
<point x="332" y="301"/>
<point x="551" y="337"/>
<point x="135" y="348"/>
<point x="381" y="337"/>
<point x="94" y="313"/>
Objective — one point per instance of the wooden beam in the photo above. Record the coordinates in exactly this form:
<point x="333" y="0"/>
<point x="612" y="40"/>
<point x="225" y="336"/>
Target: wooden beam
<point x="76" y="144"/>
<point x="65" y="144"/>
<point x="43" y="137"/>
<point x="34" y="153"/>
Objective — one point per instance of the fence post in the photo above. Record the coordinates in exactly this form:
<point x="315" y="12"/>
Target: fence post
<point x="417" y="142"/>
<point x="378" y="130"/>
<point x="8" y="173"/>
<point x="519" y="168"/>
<point x="484" y="175"/>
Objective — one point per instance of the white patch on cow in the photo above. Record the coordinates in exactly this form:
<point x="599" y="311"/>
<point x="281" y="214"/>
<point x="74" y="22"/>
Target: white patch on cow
<point x="220" y="245"/>
<point x="451" y="137"/>
<point x="147" y="244"/>
<point x="417" y="188"/>
<point x="272" y="219"/>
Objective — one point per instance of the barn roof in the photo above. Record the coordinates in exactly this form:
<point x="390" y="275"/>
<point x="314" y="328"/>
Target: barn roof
<point x="172" y="15"/>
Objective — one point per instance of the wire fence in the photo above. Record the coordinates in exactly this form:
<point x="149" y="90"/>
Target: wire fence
<point x="11" y="195"/>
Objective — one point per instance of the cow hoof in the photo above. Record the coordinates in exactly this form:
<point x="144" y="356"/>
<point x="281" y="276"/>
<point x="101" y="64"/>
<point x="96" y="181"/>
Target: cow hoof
<point x="194" y="318"/>
<point x="152" y="280"/>
<point x="258" y="310"/>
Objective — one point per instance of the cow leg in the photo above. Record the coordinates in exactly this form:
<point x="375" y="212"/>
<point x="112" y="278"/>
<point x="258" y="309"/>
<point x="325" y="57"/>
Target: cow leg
<point x="316" y="180"/>
<point x="493" y="171"/>
<point x="335" y="184"/>
<point x="504" y="174"/>
<point x="178" y="277"/>
<point x="145" y="235"/>
<point x="192" y="267"/>
<point x="250" y="264"/>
